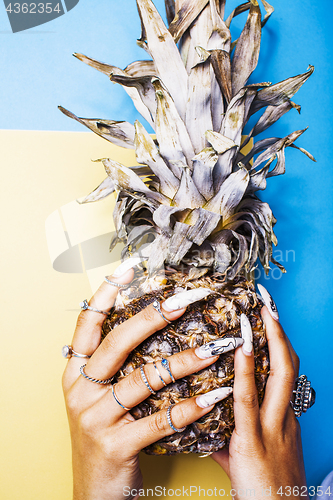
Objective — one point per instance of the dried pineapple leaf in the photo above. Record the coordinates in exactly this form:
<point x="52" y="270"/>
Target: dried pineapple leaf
<point x="277" y="146"/>
<point x="220" y="60"/>
<point x="172" y="136"/>
<point x="259" y="146"/>
<point x="170" y="9"/>
<point x="184" y="17"/>
<point x="107" y="69"/>
<point x="234" y="225"/>
<point x="162" y="218"/>
<point x="261" y="209"/>
<point x="281" y="92"/>
<point x="131" y="91"/>
<point x="238" y="10"/>
<point x="102" y="191"/>
<point x="280" y="266"/>
<point x="269" y="11"/>
<point x="230" y="194"/>
<point x="125" y="179"/>
<point x="144" y="87"/>
<point x="258" y="179"/>
<point x="158" y="253"/>
<point x="242" y="256"/>
<point x="309" y="155"/>
<point x="119" y="133"/>
<point x="203" y="164"/>
<point x="137" y="233"/>
<point x="220" y="143"/>
<point x="216" y="103"/>
<point x="220" y="37"/>
<point x="204" y="226"/>
<point x="179" y="245"/>
<point x="198" y="116"/>
<point x="147" y="153"/>
<point x="141" y="68"/>
<point x="164" y="52"/>
<point x="246" y="54"/>
<point x="222" y="257"/>
<point x="236" y="115"/>
<point x="188" y="195"/>
<point x="271" y="115"/>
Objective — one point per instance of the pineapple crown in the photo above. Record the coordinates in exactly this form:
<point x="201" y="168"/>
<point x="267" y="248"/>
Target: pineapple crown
<point x="191" y="200"/>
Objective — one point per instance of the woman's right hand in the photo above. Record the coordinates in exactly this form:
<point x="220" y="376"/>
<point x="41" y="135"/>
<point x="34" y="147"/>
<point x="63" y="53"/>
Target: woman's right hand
<point x="106" y="439"/>
<point x="265" y="450"/>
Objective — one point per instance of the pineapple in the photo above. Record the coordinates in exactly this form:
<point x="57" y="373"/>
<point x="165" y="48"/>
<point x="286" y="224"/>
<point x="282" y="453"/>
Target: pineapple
<point x="189" y="207"/>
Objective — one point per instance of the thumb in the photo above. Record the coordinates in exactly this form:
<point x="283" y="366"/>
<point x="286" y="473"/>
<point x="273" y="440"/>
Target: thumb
<point x="221" y="457"/>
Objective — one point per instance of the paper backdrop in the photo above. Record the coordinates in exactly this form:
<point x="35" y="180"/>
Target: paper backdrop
<point x="46" y="165"/>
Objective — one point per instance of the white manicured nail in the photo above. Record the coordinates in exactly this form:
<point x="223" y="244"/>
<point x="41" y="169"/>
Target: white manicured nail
<point x="217" y="347"/>
<point x="212" y="397"/>
<point x="125" y="266"/>
<point x="247" y="335"/>
<point x="269" y="302"/>
<point x="185" y="298"/>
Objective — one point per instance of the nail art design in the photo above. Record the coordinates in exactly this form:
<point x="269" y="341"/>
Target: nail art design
<point x="217" y="347"/>
<point x="269" y="302"/>
<point x="212" y="397"/>
<point x="126" y="265"/>
<point x="247" y="335"/>
<point x="185" y="298"/>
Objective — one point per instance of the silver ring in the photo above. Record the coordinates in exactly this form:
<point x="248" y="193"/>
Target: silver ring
<point x="157" y="307"/>
<point x="170" y="421"/>
<point x="115" y="284"/>
<point x="145" y="380"/>
<point x="95" y="380"/>
<point x="304" y="396"/>
<point x="166" y="365"/>
<point x="159" y="374"/>
<point x="84" y="306"/>
<point x="68" y="352"/>
<point x="117" y="400"/>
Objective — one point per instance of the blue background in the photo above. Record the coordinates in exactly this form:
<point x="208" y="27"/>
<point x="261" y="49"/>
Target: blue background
<point x="38" y="73"/>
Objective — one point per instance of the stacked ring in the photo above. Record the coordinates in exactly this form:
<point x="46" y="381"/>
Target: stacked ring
<point x="95" y="380"/>
<point x="145" y="380"/>
<point x="166" y="365"/>
<point x="170" y="421"/>
<point x="159" y="374"/>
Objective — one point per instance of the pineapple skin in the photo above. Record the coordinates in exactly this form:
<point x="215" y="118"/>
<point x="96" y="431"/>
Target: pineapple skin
<point x="214" y="317"/>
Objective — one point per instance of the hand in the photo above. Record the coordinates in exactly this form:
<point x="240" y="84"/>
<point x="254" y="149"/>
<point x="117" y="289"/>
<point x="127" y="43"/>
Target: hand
<point x="265" y="451"/>
<point x="106" y="439"/>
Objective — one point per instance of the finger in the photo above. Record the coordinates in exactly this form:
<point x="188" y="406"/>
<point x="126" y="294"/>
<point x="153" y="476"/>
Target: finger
<point x="150" y="429"/>
<point x="87" y="335"/>
<point x="246" y="406"/>
<point x="133" y="389"/>
<point x="221" y="457"/>
<point x="282" y="375"/>
<point x="117" y="345"/>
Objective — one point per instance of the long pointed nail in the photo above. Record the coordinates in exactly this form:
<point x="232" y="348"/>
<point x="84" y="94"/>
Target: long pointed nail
<point x="212" y="397"/>
<point x="217" y="347"/>
<point x="269" y="302"/>
<point x="125" y="266"/>
<point x="185" y="298"/>
<point x="247" y="335"/>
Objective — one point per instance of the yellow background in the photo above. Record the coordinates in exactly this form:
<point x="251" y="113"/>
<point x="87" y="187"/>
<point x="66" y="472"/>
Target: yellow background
<point x="41" y="172"/>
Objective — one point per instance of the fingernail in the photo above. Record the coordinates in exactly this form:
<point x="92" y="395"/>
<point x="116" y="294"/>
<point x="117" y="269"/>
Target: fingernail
<point x="269" y="302"/>
<point x="185" y="298"/>
<point x="126" y="265"/>
<point x="212" y="397"/>
<point x="217" y="347"/>
<point x="247" y="335"/>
